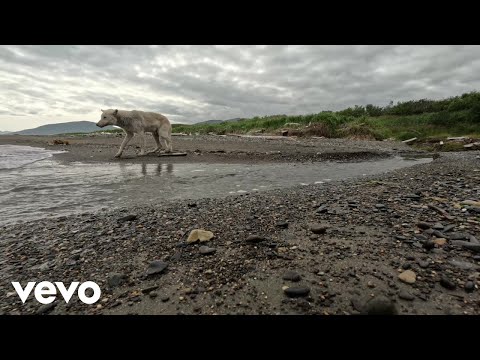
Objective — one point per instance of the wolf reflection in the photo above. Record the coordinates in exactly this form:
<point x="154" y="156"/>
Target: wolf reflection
<point x="127" y="170"/>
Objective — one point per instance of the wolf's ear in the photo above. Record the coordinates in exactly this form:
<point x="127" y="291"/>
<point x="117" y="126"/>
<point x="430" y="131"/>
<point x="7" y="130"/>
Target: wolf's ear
<point x="102" y="110"/>
<point x="115" y="112"/>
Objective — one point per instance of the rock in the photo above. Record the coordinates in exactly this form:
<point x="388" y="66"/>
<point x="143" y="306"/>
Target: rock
<point x="379" y="206"/>
<point x="70" y="262"/>
<point x="127" y="218"/>
<point x="205" y="250"/>
<point x="447" y="283"/>
<point x="423" y="264"/>
<point x="404" y="295"/>
<point x="428" y="245"/>
<point x="437" y="226"/>
<point x="423" y="225"/>
<point x="448" y="228"/>
<point x="153" y="294"/>
<point x="457" y="236"/>
<point x="164" y="298"/>
<point x="149" y="289"/>
<point x="440" y="241"/>
<point x="476" y="258"/>
<point x="291" y="276"/>
<point x="255" y="239"/>
<point x="464" y="265"/>
<point x="116" y="279"/>
<point x="199" y="235"/>
<point x="469" y="286"/>
<point x="406" y="266"/>
<point x="322" y="209"/>
<point x="44" y="309"/>
<point x="297" y="291"/>
<point x="282" y="224"/>
<point x="318" y="228"/>
<point x="438" y="234"/>
<point x="380" y="305"/>
<point x="408" y="276"/>
<point x="192" y="205"/>
<point x="156" y="267"/>
<point x="474" y="240"/>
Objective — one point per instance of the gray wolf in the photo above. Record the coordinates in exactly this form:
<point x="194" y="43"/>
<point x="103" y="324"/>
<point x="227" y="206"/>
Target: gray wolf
<point x="139" y="122"/>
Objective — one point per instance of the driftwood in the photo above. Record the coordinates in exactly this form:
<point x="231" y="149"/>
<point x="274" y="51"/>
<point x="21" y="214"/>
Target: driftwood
<point x="172" y="154"/>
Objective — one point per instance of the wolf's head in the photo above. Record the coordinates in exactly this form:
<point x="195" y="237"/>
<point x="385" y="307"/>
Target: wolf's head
<point x="108" y="118"/>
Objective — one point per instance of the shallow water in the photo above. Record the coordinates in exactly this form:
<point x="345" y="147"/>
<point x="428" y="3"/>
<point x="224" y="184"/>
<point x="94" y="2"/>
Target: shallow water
<point x="40" y="187"/>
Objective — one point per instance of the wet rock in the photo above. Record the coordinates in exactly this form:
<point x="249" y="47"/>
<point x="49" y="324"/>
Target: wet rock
<point x="164" y="298"/>
<point x="380" y="305"/>
<point x="447" y="283"/>
<point x="127" y="218"/>
<point x="205" y="250"/>
<point x="464" y="265"/>
<point x="380" y="206"/>
<point x="423" y="264"/>
<point x="199" y="235"/>
<point x="469" y="286"/>
<point x="192" y="205"/>
<point x="297" y="291"/>
<point x="408" y="276"/>
<point x="282" y="224"/>
<point x="116" y="279"/>
<point x="255" y="239"/>
<point x="318" y="228"/>
<point x="457" y="236"/>
<point x="406" y="266"/>
<point x="44" y="309"/>
<point x="291" y="276"/>
<point x="156" y="267"/>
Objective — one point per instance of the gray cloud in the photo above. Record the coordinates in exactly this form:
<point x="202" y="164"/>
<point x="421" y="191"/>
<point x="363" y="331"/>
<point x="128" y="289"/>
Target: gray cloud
<point x="194" y="83"/>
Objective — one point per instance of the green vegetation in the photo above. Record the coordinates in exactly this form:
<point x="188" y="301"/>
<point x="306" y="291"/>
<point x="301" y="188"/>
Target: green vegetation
<point x="422" y="119"/>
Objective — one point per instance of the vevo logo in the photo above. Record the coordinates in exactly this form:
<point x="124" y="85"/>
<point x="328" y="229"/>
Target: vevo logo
<point x="45" y="291"/>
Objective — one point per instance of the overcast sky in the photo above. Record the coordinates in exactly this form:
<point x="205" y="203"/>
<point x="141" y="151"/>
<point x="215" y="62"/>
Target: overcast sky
<point x="47" y="84"/>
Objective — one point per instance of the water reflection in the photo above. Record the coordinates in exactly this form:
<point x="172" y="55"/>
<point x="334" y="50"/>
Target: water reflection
<point x="158" y="169"/>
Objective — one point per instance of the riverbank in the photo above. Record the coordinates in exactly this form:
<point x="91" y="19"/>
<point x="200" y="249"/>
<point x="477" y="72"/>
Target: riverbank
<point x="406" y="239"/>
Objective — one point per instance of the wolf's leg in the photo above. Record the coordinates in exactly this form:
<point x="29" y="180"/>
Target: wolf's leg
<point x="144" y="143"/>
<point x="128" y="137"/>
<point x="167" y="139"/>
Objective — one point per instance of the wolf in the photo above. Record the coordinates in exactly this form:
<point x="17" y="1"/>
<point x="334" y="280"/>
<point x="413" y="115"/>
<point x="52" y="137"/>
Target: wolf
<point x="139" y="122"/>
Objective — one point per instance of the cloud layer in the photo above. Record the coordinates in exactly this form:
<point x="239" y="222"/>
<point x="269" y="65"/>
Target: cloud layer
<point x="45" y="84"/>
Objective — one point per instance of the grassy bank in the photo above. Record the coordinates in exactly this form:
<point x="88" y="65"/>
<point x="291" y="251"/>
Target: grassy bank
<point x="423" y="119"/>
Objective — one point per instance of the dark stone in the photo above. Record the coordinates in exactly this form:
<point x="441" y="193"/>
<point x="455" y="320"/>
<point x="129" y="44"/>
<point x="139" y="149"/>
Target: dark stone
<point x="457" y="236"/>
<point x="291" y="276"/>
<point x="164" y="298"/>
<point x="318" y="229"/>
<point x="423" y="264"/>
<point x="447" y="283"/>
<point x="128" y="218"/>
<point x="205" y="250"/>
<point x="437" y="226"/>
<point x="153" y="294"/>
<point x="149" y="289"/>
<point x="380" y="206"/>
<point x="115" y="280"/>
<point x="400" y="237"/>
<point x="192" y="205"/>
<point x="410" y="257"/>
<point x="469" y="286"/>
<point x="282" y="224"/>
<point x="404" y="295"/>
<point x="380" y="305"/>
<point x="406" y="266"/>
<point x="428" y="245"/>
<point x="297" y="291"/>
<point x="448" y="228"/>
<point x="423" y="225"/>
<point x="44" y="309"/>
<point x="156" y="267"/>
<point x="255" y="239"/>
<point x="438" y="234"/>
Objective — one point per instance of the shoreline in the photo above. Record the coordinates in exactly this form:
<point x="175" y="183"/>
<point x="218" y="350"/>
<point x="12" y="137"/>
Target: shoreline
<point x="370" y="237"/>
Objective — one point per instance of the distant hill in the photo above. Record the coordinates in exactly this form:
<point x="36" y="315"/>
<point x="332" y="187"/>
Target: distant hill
<point x="64" y="128"/>
<point x="211" y="122"/>
<point x="5" y="132"/>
